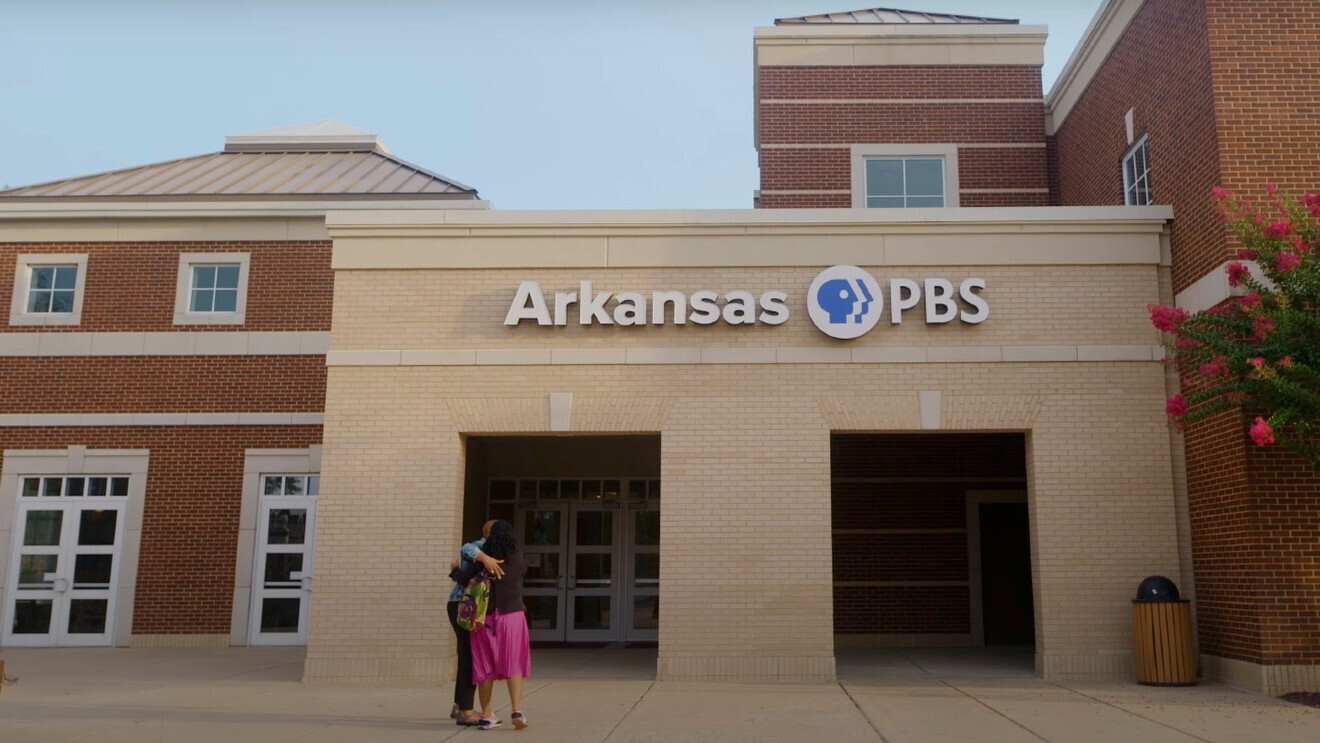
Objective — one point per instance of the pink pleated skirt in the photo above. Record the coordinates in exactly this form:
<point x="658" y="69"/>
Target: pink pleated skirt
<point x="504" y="652"/>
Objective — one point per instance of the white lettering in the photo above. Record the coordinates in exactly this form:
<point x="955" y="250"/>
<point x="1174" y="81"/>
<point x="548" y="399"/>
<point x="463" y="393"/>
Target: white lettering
<point x="592" y="307"/>
<point x="965" y="290"/>
<point x="631" y="309"/>
<point x="940" y="307"/>
<point x="903" y="294"/>
<point x="528" y="304"/>
<point x="562" y="302"/>
<point x="677" y="300"/>
<point x="741" y="308"/>
<point x="774" y="311"/>
<point x="705" y="310"/>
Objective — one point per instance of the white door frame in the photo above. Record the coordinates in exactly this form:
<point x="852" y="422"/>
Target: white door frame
<point x="78" y="461"/>
<point x="257" y="462"/>
<point x="974" y="500"/>
<point x="299" y="585"/>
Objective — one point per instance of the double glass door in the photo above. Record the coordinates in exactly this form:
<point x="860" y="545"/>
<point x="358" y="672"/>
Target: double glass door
<point x="593" y="564"/>
<point x="64" y="564"/>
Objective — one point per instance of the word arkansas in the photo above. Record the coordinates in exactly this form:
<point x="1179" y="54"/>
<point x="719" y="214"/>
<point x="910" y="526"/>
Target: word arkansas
<point x="635" y="308"/>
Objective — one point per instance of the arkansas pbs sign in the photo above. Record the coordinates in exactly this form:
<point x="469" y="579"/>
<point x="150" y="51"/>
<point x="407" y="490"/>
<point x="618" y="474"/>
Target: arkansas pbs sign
<point x="846" y="302"/>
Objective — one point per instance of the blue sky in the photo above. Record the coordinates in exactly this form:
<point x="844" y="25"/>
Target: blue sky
<point x="568" y="104"/>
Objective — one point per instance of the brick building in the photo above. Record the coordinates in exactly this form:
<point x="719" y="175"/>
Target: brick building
<point x="982" y="459"/>
<point x="163" y="379"/>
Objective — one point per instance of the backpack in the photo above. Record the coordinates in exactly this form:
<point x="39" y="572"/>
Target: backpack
<point x="476" y="599"/>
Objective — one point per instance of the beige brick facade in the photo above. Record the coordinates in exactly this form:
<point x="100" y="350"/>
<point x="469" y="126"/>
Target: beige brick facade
<point x="745" y="416"/>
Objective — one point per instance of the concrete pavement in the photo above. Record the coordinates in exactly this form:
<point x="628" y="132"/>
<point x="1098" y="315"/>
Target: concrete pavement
<point x="255" y="695"/>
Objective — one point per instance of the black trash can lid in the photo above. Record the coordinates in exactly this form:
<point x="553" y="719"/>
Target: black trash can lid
<point x="1157" y="588"/>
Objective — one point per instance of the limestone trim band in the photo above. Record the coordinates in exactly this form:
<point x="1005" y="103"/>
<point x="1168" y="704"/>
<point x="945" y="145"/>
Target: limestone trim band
<point x="19" y="420"/>
<point x="165" y="344"/>
<point x="812" y="101"/>
<point x="739" y="355"/>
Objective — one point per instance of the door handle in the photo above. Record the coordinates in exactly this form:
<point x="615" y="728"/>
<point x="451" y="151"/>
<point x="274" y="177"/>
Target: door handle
<point x="306" y="582"/>
<point x="572" y="582"/>
<point x="61" y="585"/>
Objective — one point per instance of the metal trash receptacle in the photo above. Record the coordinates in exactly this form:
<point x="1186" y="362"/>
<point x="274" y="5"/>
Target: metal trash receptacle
<point x="1162" y="630"/>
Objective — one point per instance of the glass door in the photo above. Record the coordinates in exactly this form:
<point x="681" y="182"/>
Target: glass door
<point x="593" y="565"/>
<point x="540" y="530"/>
<point x="68" y="542"/>
<point x="643" y="620"/>
<point x="593" y="556"/>
<point x="282" y="570"/>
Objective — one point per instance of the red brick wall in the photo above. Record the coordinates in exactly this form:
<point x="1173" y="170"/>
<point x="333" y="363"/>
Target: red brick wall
<point x="1225" y="91"/>
<point x="1265" y="61"/>
<point x="1161" y="70"/>
<point x="162" y="384"/>
<point x="130" y="287"/>
<point x="185" y="578"/>
<point x="898" y="482"/>
<point x="830" y="119"/>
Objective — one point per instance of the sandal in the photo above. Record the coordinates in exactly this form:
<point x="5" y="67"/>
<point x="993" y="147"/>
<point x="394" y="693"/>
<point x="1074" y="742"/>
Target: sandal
<point x="519" y="720"/>
<point x="467" y="722"/>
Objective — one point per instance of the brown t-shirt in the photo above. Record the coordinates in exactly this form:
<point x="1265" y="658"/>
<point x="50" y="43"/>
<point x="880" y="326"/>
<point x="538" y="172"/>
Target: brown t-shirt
<point x="506" y="593"/>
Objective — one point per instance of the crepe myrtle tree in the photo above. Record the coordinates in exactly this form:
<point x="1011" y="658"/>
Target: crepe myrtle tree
<point x="1258" y="351"/>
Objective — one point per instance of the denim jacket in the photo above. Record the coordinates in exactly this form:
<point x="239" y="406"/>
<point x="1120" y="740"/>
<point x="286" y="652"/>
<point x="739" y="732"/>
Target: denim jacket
<point x="469" y="556"/>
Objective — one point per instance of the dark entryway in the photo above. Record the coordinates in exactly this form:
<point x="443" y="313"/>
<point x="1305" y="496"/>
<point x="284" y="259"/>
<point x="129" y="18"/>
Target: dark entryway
<point x="932" y="542"/>
<point x="1007" y="608"/>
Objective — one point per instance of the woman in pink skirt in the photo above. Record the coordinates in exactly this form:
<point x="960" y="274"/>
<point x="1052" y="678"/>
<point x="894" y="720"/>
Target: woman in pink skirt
<point x="501" y="648"/>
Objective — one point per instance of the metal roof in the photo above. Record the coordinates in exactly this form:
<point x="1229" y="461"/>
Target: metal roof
<point x="888" y="15"/>
<point x="325" y="160"/>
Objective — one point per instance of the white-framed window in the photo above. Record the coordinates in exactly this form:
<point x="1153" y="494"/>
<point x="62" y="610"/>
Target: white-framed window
<point x="906" y="176"/>
<point x="1136" y="175"/>
<point x="212" y="289"/>
<point x="48" y="289"/>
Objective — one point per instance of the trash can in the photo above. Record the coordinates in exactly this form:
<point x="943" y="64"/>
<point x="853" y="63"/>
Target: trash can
<point x="1162" y="626"/>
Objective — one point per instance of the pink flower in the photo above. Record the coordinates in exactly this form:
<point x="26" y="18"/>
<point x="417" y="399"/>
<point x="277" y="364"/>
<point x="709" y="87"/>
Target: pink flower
<point x="1182" y="342"/>
<point x="1166" y="319"/>
<point x="1312" y="201"/>
<point x="1300" y="245"/>
<point x="1271" y="189"/>
<point x="1261" y="433"/>
<point x="1236" y="272"/>
<point x="1246" y="254"/>
<point x="1285" y="361"/>
<point x="1279" y="228"/>
<point x="1176" y="406"/>
<point x="1250" y="301"/>
<point x="1256" y="362"/>
<point x="1261" y="327"/>
<point x="1285" y="262"/>
<point x="1216" y="367"/>
<point x="1220" y="193"/>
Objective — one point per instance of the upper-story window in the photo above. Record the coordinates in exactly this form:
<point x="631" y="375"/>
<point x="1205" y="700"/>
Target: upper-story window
<point x="48" y="290"/>
<point x="212" y="289"/>
<point x="1136" y="175"/>
<point x="51" y="289"/>
<point x="898" y="182"/>
<point x="897" y="176"/>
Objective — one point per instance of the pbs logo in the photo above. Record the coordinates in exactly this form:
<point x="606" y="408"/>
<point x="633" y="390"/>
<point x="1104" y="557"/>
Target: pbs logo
<point x="844" y="302"/>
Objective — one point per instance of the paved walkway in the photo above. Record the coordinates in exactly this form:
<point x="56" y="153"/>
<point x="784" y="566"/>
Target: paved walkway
<point x="254" y="695"/>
